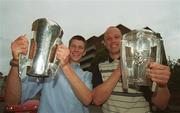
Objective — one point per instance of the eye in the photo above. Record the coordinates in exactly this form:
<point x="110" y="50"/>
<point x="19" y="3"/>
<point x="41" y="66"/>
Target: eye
<point x="72" y="46"/>
<point x="80" y="47"/>
<point x="108" y="39"/>
<point x="117" y="36"/>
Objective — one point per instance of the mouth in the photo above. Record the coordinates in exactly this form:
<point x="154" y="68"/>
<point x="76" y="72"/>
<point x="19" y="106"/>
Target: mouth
<point x="114" y="45"/>
<point x="75" y="55"/>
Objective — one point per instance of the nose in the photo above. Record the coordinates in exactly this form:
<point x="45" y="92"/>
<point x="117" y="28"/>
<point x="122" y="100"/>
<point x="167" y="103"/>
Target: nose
<point x="113" y="39"/>
<point x="76" y="48"/>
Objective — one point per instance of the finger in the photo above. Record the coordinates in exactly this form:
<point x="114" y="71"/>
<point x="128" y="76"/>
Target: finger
<point x="158" y="72"/>
<point x="159" y="76"/>
<point x="61" y="46"/>
<point x="159" y="82"/>
<point x="24" y="51"/>
<point x="20" y="48"/>
<point x="60" y="56"/>
<point x="22" y="39"/>
<point x="60" y="52"/>
<point x="154" y="65"/>
<point x="147" y="73"/>
<point x="20" y="42"/>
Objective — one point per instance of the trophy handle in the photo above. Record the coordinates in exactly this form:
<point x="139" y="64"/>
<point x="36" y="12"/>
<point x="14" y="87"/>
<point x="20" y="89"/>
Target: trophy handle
<point x="159" y="61"/>
<point x="23" y="63"/>
<point x="55" y="64"/>
<point x="124" y="73"/>
<point x="125" y="82"/>
<point x="25" y="60"/>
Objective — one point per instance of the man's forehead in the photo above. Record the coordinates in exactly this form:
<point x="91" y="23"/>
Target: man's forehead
<point x="112" y="29"/>
<point x="77" y="42"/>
<point x="112" y="34"/>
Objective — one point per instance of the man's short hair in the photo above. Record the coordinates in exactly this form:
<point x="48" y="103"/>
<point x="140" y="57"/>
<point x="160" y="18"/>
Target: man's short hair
<point x="110" y="27"/>
<point x="78" y="37"/>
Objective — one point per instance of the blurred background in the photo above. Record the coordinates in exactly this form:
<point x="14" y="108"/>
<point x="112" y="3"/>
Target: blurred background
<point x="90" y="18"/>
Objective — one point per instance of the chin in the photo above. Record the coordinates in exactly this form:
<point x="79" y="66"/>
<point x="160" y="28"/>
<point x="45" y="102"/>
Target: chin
<point x="75" y="60"/>
<point x="116" y="51"/>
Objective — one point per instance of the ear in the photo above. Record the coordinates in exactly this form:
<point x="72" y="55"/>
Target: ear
<point x="104" y="43"/>
<point x="84" y="53"/>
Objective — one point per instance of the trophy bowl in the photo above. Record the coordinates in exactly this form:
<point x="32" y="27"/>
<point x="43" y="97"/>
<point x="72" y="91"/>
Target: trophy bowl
<point x="40" y="60"/>
<point x="138" y="49"/>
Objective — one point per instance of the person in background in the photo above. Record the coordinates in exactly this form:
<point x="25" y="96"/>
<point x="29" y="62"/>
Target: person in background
<point x="2" y="85"/>
<point x="70" y="91"/>
<point x="108" y="87"/>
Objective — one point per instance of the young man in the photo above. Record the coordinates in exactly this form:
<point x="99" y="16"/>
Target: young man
<point x="108" y="87"/>
<point x="68" y="92"/>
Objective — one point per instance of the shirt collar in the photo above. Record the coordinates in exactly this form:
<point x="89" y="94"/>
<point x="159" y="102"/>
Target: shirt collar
<point x="75" y="65"/>
<point x="111" y="60"/>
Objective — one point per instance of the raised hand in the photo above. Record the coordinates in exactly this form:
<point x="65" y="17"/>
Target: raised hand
<point x="62" y="54"/>
<point x="159" y="74"/>
<point x="19" y="46"/>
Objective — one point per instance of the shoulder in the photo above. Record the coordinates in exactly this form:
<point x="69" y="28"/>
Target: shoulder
<point x="82" y="72"/>
<point x="100" y="57"/>
<point x="85" y="76"/>
<point x="87" y="73"/>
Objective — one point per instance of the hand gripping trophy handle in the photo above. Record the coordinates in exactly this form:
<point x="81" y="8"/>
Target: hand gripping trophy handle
<point x="55" y="63"/>
<point x="40" y="60"/>
<point x="158" y="60"/>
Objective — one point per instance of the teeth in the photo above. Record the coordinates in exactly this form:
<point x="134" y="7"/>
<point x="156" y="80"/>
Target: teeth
<point x="76" y="55"/>
<point x="114" y="46"/>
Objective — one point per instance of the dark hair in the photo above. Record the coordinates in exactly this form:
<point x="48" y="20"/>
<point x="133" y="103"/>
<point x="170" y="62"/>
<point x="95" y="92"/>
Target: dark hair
<point x="78" y="37"/>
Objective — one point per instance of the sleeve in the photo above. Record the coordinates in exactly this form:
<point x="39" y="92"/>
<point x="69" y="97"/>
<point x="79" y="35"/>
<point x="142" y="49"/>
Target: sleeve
<point x="101" y="56"/>
<point x="96" y="77"/>
<point x="147" y="93"/>
<point x="30" y="87"/>
<point x="88" y="79"/>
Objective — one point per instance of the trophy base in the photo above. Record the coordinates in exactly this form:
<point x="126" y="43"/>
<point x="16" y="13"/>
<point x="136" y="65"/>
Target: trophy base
<point x="37" y="75"/>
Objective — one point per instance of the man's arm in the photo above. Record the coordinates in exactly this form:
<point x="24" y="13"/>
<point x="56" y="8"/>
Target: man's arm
<point x="13" y="82"/>
<point x="13" y="87"/>
<point x="160" y="74"/>
<point x="81" y="90"/>
<point x="104" y="90"/>
<point x="161" y="97"/>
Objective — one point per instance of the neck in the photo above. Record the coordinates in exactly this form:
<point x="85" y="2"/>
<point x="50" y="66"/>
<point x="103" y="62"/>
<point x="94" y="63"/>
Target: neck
<point x="72" y="62"/>
<point x="115" y="55"/>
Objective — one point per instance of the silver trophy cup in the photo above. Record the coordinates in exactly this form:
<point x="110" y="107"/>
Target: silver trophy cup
<point x="138" y="49"/>
<point x="40" y="60"/>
